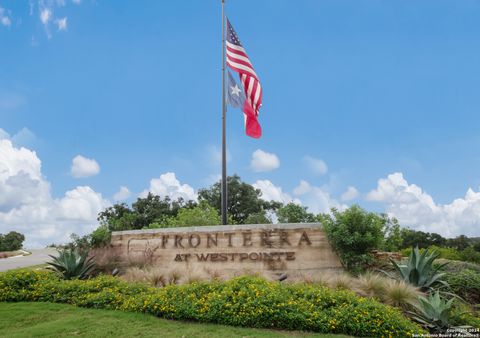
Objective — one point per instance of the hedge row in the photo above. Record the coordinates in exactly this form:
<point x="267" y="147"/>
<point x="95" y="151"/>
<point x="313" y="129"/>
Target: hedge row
<point x="243" y="301"/>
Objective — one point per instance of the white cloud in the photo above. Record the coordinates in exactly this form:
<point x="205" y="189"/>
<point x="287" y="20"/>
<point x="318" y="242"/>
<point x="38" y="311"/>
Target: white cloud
<point x="263" y="161"/>
<point x="122" y="194"/>
<point x="350" y="194"/>
<point x="271" y="192"/>
<point x="413" y="207"/>
<point x="316" y="199"/>
<point x="61" y="24"/>
<point x="169" y="185"/>
<point x="316" y="165"/>
<point x="84" y="167"/>
<point x="27" y="206"/>
<point x="4" y="18"/>
<point x="77" y="2"/>
<point x="45" y="15"/>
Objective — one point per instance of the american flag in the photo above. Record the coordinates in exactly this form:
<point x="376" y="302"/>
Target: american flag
<point x="238" y="60"/>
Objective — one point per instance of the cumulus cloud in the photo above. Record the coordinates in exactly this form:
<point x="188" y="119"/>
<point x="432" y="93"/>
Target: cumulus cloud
<point x="350" y="194"/>
<point x="414" y="207"/>
<point x="315" y="165"/>
<point x="27" y="206"/>
<point x="315" y="198"/>
<point x="271" y="192"/>
<point x="84" y="167"/>
<point x="4" y="17"/>
<point x="169" y="185"/>
<point x="122" y="194"/>
<point x="263" y="161"/>
<point x="61" y="24"/>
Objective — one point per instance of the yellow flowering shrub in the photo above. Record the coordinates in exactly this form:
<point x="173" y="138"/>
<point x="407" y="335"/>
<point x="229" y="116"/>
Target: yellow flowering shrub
<point x="243" y="301"/>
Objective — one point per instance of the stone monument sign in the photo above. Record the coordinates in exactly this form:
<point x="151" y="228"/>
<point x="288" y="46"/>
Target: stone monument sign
<point x="271" y="249"/>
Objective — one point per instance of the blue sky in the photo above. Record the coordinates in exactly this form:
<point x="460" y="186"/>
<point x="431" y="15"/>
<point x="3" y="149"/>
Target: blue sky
<point x="377" y="98"/>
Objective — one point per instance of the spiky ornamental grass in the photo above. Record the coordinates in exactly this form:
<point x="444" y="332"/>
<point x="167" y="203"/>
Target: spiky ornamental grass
<point x="433" y="312"/>
<point x="420" y="270"/>
<point x="70" y="264"/>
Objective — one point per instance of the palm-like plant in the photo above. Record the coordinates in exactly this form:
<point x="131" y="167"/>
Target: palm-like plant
<point x="420" y="271"/>
<point x="433" y="312"/>
<point x="71" y="264"/>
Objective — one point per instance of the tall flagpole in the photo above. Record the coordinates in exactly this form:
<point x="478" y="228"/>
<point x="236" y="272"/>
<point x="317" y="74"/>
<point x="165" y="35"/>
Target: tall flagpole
<point x="224" y="135"/>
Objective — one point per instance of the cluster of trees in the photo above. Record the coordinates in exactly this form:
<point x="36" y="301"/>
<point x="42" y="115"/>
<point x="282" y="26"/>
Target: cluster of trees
<point x="11" y="241"/>
<point x="354" y="230"/>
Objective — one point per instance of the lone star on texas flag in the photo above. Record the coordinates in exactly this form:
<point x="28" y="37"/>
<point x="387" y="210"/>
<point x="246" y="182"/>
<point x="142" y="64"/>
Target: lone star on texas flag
<point x="236" y="90"/>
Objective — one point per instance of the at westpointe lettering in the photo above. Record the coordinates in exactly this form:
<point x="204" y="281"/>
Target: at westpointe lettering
<point x="236" y="256"/>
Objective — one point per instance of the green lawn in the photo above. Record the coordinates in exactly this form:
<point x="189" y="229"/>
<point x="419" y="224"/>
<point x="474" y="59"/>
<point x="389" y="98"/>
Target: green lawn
<point x="60" y="320"/>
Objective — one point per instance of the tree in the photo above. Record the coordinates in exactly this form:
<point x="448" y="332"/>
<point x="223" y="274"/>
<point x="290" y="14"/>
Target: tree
<point x="294" y="213"/>
<point x="11" y="241"/>
<point x="354" y="233"/>
<point x="144" y="212"/>
<point x="258" y="218"/>
<point x="460" y="243"/>
<point x="392" y="234"/>
<point x="202" y="214"/>
<point x="412" y="238"/>
<point x="243" y="199"/>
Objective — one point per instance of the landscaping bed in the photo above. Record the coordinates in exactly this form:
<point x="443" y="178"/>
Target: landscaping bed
<point x="243" y="301"/>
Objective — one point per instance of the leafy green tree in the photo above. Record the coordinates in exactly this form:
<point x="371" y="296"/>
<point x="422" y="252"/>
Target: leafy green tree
<point x="202" y="214"/>
<point x="100" y="237"/>
<point x="460" y="243"/>
<point x="117" y="217"/>
<point x="392" y="234"/>
<point x="412" y="238"/>
<point x="294" y="213"/>
<point x="11" y="241"/>
<point x="258" y="218"/>
<point x="243" y="199"/>
<point x="144" y="211"/>
<point x="354" y="233"/>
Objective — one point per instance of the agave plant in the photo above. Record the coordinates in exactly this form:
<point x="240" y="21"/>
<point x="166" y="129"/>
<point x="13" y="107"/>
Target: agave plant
<point x="71" y="264"/>
<point x="420" y="271"/>
<point x="433" y="312"/>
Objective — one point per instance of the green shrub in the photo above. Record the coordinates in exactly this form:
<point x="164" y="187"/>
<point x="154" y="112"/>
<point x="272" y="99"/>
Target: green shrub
<point x="243" y="301"/>
<point x="446" y="253"/>
<point x="463" y="315"/>
<point x="465" y="284"/>
<point x="456" y="266"/>
<point x="354" y="233"/>
<point x="100" y="237"/>
<point x="469" y="254"/>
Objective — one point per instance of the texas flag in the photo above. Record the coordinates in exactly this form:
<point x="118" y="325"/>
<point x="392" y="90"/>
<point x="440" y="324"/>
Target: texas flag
<point x="236" y="98"/>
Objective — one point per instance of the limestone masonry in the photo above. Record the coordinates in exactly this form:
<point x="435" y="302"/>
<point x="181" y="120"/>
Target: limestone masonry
<point x="271" y="249"/>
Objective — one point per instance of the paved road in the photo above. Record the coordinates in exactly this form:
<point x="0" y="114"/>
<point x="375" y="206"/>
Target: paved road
<point x="39" y="256"/>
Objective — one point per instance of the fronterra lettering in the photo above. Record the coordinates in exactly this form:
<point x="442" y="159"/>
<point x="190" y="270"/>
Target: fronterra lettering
<point x="267" y="239"/>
